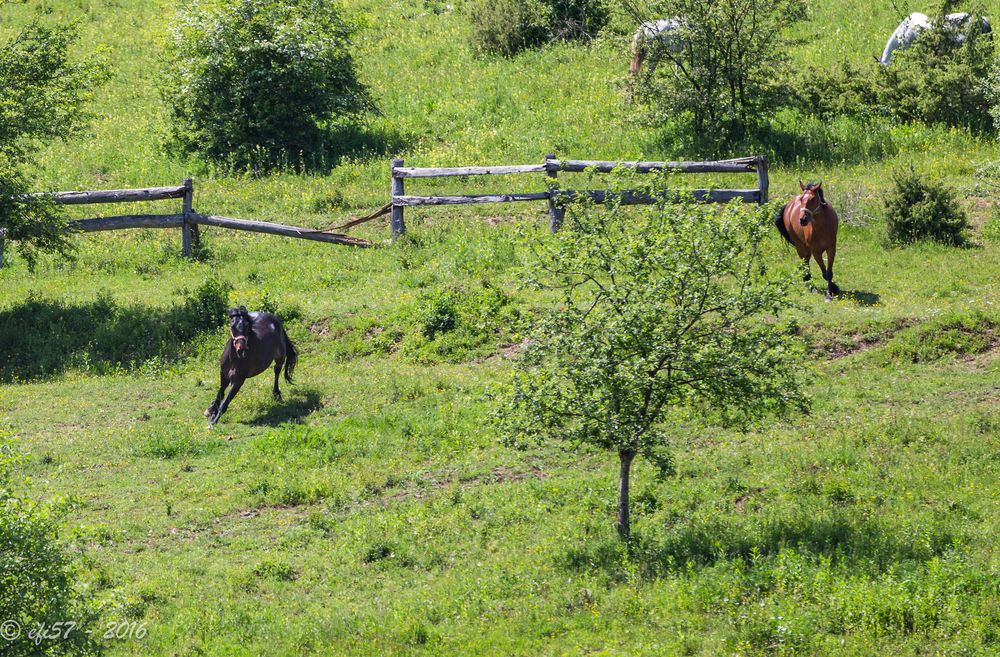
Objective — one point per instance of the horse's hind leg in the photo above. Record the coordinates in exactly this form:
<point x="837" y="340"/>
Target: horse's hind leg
<point x="277" y="370"/>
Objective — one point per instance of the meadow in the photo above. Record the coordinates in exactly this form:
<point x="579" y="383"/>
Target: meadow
<point x="375" y="511"/>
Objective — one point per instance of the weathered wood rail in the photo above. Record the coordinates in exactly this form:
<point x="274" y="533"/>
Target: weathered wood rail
<point x="187" y="220"/>
<point x="557" y="198"/>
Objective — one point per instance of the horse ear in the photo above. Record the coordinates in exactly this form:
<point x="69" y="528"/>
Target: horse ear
<point x="243" y="310"/>
<point x="801" y="186"/>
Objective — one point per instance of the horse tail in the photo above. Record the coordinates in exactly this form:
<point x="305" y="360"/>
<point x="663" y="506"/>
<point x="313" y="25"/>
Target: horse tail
<point x="291" y="356"/>
<point x="779" y="221"/>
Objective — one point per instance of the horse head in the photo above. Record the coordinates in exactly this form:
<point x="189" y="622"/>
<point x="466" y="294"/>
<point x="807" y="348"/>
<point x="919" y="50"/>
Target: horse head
<point x="811" y="201"/>
<point x="240" y="326"/>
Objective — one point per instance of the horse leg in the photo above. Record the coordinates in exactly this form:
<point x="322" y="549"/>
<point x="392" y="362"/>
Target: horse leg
<point x="806" y="272"/>
<point x="827" y="274"/>
<point x="831" y="287"/>
<point x="237" y="384"/>
<point x="214" y="408"/>
<point x="277" y="370"/>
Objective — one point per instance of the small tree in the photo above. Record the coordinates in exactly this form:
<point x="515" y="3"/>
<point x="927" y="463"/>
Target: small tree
<point x="252" y="83"/>
<point x="725" y="77"/>
<point x="42" y="95"/>
<point x="506" y="27"/>
<point x="659" y="310"/>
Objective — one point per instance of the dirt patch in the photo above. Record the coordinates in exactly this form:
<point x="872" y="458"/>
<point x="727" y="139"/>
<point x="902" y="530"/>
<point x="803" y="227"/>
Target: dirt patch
<point x="373" y="331"/>
<point x="839" y="346"/>
<point x="320" y="328"/>
<point x="505" y="352"/>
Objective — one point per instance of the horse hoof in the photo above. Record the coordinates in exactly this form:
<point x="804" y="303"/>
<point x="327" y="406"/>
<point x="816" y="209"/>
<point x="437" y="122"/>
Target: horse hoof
<point x="277" y="396"/>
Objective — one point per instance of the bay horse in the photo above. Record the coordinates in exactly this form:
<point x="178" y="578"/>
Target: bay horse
<point x="810" y="224"/>
<point x="256" y="339"/>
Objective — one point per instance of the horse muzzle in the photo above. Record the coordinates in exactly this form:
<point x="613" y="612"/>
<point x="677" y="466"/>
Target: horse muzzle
<point x="240" y="345"/>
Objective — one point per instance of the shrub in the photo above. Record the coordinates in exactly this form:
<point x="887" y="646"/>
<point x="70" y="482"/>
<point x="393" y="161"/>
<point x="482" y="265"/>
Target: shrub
<point x="725" y="81"/>
<point x="255" y="83"/>
<point x="938" y="80"/>
<point x="506" y="27"/>
<point x="923" y="210"/>
<point x="37" y="583"/>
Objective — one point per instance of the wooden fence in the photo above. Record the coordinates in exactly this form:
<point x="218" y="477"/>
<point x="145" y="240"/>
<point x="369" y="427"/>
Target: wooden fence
<point x="187" y="220"/>
<point x="556" y="197"/>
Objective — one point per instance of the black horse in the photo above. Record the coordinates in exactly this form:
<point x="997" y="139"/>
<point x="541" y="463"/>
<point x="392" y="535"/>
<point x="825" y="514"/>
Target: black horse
<point x="256" y="340"/>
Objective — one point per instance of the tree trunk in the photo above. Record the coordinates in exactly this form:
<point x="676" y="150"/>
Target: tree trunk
<point x="624" y="527"/>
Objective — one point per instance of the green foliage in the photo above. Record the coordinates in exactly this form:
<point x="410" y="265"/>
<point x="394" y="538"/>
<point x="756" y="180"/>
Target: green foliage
<point x="939" y="81"/>
<point x="660" y="309"/>
<point x="954" y="334"/>
<point x="37" y="579"/>
<point x="991" y="229"/>
<point x="44" y="336"/>
<point x="42" y="95"/>
<point x="923" y="210"/>
<point x="725" y="81"/>
<point x="253" y="84"/>
<point x="457" y="324"/>
<point x="506" y="27"/>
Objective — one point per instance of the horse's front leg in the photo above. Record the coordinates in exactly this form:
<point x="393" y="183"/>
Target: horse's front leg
<point x="237" y="384"/>
<point x="831" y="287"/>
<point x="806" y="271"/>
<point x="214" y="408"/>
<point x="827" y="274"/>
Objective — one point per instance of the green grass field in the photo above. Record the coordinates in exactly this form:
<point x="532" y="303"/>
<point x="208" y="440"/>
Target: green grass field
<point x="375" y="512"/>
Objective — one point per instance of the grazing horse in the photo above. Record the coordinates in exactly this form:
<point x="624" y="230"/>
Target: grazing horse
<point x="916" y="23"/>
<point x="665" y="31"/>
<point x="810" y="224"/>
<point x="256" y="340"/>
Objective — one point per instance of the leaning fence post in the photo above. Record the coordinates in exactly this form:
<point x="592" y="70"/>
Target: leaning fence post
<point x="398" y="225"/>
<point x="556" y="213"/>
<point x="189" y="231"/>
<point x="762" y="181"/>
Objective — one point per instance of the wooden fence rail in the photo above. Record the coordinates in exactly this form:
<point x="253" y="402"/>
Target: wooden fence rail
<point x="188" y="220"/>
<point x="557" y="198"/>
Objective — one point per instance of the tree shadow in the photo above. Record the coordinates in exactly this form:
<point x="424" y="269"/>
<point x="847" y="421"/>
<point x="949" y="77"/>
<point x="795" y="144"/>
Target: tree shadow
<point x="787" y="139"/>
<point x="40" y="338"/>
<point x="862" y="544"/>
<point x="293" y="408"/>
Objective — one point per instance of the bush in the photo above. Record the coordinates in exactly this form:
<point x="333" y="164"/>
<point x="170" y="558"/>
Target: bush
<point x="923" y="210"/>
<point x="725" y="81"/>
<point x="940" y="81"/>
<point x="257" y="83"/>
<point x="37" y="583"/>
<point x="506" y="27"/>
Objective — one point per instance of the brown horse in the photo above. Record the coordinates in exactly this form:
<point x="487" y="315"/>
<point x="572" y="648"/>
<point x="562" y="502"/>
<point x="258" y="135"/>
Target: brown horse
<point x="810" y="224"/>
<point x="256" y="339"/>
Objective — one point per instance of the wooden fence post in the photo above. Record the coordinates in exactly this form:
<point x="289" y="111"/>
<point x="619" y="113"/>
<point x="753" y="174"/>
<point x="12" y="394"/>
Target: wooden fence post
<point x="398" y="225"/>
<point x="762" y="181"/>
<point x="189" y="232"/>
<point x="556" y="213"/>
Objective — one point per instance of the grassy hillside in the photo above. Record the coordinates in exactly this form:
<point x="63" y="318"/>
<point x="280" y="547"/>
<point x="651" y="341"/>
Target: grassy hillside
<point x="374" y="512"/>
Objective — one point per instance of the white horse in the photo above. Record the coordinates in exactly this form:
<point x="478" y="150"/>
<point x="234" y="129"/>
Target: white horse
<point x="665" y="31"/>
<point x="914" y="24"/>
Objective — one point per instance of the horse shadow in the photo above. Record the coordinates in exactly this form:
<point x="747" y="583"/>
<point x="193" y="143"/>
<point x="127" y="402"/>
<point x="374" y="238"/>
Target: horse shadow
<point x="861" y="297"/>
<point x="293" y="409"/>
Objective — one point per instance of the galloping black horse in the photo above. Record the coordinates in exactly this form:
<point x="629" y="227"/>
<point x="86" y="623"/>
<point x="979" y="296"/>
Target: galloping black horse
<point x="255" y="341"/>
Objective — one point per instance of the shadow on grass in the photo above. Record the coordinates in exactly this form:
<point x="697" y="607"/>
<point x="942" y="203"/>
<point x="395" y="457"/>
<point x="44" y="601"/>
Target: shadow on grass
<point x="40" y="337"/>
<point x="294" y="408"/>
<point x="860" y="544"/>
<point x="861" y="297"/>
